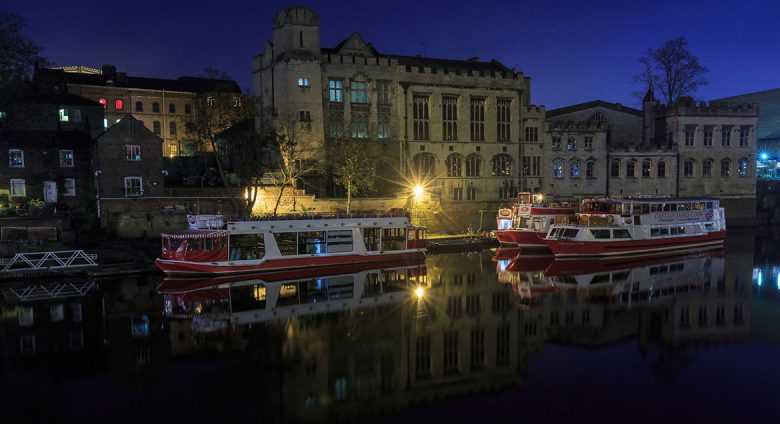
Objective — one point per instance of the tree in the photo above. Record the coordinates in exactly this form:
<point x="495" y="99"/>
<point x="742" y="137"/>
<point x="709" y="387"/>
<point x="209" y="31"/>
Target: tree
<point x="18" y="54"/>
<point x="351" y="166"/>
<point x="297" y="152"/>
<point x="672" y="70"/>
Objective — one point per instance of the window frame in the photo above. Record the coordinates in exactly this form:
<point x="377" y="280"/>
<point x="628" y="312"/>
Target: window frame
<point x="140" y="186"/>
<point x="10" y="158"/>
<point x="23" y="185"/>
<point x="72" y="158"/>
<point x="130" y="149"/>
<point x="69" y="187"/>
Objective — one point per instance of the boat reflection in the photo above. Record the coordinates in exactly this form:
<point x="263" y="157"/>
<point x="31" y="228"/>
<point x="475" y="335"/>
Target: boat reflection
<point x="215" y="303"/>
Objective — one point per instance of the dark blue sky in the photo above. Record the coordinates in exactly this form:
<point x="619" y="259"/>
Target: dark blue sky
<point x="574" y="51"/>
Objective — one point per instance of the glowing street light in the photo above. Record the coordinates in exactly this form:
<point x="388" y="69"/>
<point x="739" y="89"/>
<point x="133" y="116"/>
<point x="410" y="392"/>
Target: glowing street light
<point x="418" y="191"/>
<point x="764" y="156"/>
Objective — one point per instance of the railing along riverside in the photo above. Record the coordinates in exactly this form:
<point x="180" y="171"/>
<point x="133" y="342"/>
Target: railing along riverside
<point x="48" y="260"/>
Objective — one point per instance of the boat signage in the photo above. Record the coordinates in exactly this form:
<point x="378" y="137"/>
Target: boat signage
<point x="679" y="216"/>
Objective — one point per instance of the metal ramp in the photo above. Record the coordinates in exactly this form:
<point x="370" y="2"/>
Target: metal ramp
<point x="65" y="259"/>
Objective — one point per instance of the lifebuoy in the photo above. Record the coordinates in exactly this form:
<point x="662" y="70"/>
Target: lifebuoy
<point x="504" y="212"/>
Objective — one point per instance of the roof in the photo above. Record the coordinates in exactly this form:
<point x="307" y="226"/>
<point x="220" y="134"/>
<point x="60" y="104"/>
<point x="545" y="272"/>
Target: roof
<point x="120" y="79"/>
<point x="45" y="138"/>
<point x="654" y="199"/>
<point x="595" y="103"/>
<point x="129" y="125"/>
<point x="472" y="64"/>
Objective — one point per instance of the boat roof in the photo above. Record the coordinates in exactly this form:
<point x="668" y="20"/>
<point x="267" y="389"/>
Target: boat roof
<point x="192" y="234"/>
<point x="652" y="199"/>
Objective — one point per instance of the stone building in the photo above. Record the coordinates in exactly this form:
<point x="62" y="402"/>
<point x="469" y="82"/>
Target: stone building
<point x="165" y="106"/>
<point x="452" y="126"/>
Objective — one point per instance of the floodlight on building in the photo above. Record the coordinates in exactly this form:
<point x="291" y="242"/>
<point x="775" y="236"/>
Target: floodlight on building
<point x="764" y="156"/>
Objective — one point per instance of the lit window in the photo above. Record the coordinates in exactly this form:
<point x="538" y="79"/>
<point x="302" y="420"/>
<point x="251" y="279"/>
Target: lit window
<point x="3" y="115"/>
<point x="63" y="115"/>
<point x="743" y="167"/>
<point x="66" y="158"/>
<point x="118" y="104"/>
<point x="18" y="188"/>
<point x="359" y="92"/>
<point x="103" y="102"/>
<point x="133" y="187"/>
<point x="335" y="91"/>
<point x="132" y="152"/>
<point x="105" y="123"/>
<point x="236" y="101"/>
<point x="303" y="82"/>
<point x="70" y="187"/>
<point x="173" y="150"/>
<point x="574" y="170"/>
<point x="16" y="158"/>
<point x="557" y="170"/>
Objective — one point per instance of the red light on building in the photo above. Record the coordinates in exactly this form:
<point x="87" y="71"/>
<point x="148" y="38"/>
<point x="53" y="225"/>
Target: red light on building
<point x="102" y="102"/>
<point x="118" y="104"/>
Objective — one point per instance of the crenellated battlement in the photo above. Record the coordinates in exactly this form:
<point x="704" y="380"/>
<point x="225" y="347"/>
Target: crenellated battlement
<point x="688" y="107"/>
<point x="535" y="112"/>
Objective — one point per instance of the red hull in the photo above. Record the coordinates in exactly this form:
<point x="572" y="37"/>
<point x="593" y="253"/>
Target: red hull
<point x="573" y="248"/>
<point x="521" y="238"/>
<point x="214" y="268"/>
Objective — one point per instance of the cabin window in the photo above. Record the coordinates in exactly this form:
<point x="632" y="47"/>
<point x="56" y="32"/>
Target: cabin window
<point x="645" y="208"/>
<point x="683" y="206"/>
<point x="693" y="229"/>
<point x="339" y="241"/>
<point x="625" y="209"/>
<point x="709" y="227"/>
<point x="655" y="207"/>
<point x="247" y="298"/>
<point x="570" y="233"/>
<point x="698" y="206"/>
<point x="371" y="239"/>
<point x="663" y="231"/>
<point x="311" y="242"/>
<point x="600" y="234"/>
<point x="654" y="232"/>
<point x="246" y="247"/>
<point x="621" y="234"/>
<point x="709" y="205"/>
<point x="677" y="230"/>
<point x="287" y="242"/>
<point x="670" y="207"/>
<point x="394" y="239"/>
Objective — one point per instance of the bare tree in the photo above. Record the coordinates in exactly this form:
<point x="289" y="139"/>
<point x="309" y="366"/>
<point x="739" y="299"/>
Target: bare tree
<point x="18" y="54"/>
<point x="351" y="166"/>
<point x="297" y="152"/>
<point x="672" y="70"/>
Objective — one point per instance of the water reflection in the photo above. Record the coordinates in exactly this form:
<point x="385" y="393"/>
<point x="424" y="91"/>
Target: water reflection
<point x="352" y="343"/>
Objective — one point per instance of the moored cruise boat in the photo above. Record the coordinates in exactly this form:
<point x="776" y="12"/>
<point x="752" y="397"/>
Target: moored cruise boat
<point x="526" y="224"/>
<point x="610" y="227"/>
<point x="285" y="243"/>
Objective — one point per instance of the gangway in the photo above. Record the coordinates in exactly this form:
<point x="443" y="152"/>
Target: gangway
<point x="61" y="260"/>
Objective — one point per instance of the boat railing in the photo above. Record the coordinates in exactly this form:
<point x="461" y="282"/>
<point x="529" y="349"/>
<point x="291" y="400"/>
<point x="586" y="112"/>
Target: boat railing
<point x="294" y="217"/>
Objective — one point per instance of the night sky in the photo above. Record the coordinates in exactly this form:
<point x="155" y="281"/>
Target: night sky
<point x="574" y="51"/>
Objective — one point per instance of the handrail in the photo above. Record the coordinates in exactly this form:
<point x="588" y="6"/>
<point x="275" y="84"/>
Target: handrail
<point x="297" y="217"/>
<point x="48" y="260"/>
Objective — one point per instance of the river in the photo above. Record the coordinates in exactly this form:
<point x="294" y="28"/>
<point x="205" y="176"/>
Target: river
<point x="465" y="337"/>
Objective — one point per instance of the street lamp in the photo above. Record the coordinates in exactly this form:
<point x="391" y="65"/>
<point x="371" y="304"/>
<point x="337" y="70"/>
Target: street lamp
<point x="418" y="191"/>
<point x="764" y="156"/>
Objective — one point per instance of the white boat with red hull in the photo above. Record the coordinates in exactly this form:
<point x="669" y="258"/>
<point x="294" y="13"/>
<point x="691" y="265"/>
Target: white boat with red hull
<point x="526" y="224"/>
<point x="612" y="227"/>
<point x="291" y="242"/>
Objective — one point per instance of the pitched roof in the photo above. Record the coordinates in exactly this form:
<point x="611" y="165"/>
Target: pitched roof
<point x="595" y="103"/>
<point x="129" y="125"/>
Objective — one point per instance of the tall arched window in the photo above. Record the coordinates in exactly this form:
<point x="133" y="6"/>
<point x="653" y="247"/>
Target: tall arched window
<point x="454" y="163"/>
<point x="688" y="168"/>
<point x="590" y="169"/>
<point x="630" y="168"/>
<point x="614" y="168"/>
<point x="725" y="168"/>
<point x="574" y="169"/>
<point x="557" y="169"/>
<point x="647" y="168"/>
<point x="473" y="165"/>
<point x="743" y="167"/>
<point x="706" y="168"/>
<point x="502" y="165"/>
<point x="424" y="165"/>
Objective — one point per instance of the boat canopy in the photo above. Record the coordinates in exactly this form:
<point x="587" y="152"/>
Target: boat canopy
<point x="196" y="246"/>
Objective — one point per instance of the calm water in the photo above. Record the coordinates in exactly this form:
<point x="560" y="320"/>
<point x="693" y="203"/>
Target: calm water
<point x="465" y="337"/>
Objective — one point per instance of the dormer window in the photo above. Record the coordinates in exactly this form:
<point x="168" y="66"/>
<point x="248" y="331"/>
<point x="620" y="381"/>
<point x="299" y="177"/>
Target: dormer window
<point x="303" y="82"/>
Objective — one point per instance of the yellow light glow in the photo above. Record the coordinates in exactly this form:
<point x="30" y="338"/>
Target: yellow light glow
<point x="418" y="191"/>
<point x="419" y="292"/>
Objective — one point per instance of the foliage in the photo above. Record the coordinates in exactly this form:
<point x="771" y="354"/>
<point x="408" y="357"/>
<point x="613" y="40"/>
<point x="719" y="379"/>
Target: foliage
<point x="18" y="54"/>
<point x="672" y="70"/>
<point x="351" y="166"/>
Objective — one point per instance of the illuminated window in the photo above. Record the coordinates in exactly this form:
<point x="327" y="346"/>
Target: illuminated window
<point x="359" y="91"/>
<point x="557" y="169"/>
<point x="574" y="170"/>
<point x="335" y="91"/>
<point x="18" y="188"/>
<point x="105" y="123"/>
<point x="63" y="115"/>
<point x="70" y="187"/>
<point x="743" y="167"/>
<point x="16" y="158"/>
<point x="133" y="187"/>
<point x="118" y="104"/>
<point x="173" y="150"/>
<point x="236" y="101"/>
<point x="132" y="152"/>
<point x="66" y="158"/>
<point x="103" y="102"/>
<point x="303" y="82"/>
